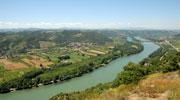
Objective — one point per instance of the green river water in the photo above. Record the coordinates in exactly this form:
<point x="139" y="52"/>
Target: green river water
<point x="102" y="75"/>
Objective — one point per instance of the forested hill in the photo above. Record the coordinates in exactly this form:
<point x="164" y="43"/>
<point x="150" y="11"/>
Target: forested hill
<point x="150" y="34"/>
<point x="22" y="41"/>
<point x="25" y="40"/>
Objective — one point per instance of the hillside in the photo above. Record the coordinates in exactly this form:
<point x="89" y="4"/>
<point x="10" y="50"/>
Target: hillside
<point x="154" y="78"/>
<point x="33" y="58"/>
<point x="22" y="42"/>
<point x="159" y="86"/>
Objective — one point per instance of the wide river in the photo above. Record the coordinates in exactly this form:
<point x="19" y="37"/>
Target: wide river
<point x="102" y="75"/>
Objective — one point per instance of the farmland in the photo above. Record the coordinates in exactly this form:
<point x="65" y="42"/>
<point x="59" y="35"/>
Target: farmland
<point x="48" y="60"/>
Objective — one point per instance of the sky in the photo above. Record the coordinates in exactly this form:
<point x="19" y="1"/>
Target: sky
<point x="116" y="14"/>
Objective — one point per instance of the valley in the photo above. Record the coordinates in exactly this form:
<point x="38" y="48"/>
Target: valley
<point x="61" y="66"/>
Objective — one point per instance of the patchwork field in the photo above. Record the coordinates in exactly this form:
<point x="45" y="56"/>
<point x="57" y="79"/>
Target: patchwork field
<point x="43" y="58"/>
<point x="30" y="61"/>
<point x="37" y="61"/>
<point x="176" y="43"/>
<point x="10" y="65"/>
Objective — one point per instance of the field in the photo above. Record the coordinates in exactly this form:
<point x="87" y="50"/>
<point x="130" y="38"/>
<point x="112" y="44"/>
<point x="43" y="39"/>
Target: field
<point x="176" y="43"/>
<point x="28" y="61"/>
<point x="12" y="74"/>
<point x="45" y="57"/>
<point x="12" y="68"/>
<point x="46" y="61"/>
<point x="10" y="65"/>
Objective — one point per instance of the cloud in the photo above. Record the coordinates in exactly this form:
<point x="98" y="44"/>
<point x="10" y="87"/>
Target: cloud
<point x="83" y="25"/>
<point x="9" y="24"/>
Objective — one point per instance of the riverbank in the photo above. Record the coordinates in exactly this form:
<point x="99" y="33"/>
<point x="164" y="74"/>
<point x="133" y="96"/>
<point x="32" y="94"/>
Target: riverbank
<point x="83" y="82"/>
<point x="59" y="74"/>
<point x="158" y="86"/>
<point x="131" y="83"/>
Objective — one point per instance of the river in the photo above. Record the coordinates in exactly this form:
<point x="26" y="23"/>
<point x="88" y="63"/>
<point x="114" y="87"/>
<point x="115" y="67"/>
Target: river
<point x="101" y="75"/>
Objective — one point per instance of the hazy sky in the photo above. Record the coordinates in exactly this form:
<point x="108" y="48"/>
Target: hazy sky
<point x="156" y="14"/>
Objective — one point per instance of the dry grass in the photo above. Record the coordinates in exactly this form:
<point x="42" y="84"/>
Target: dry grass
<point x="134" y="46"/>
<point x="37" y="61"/>
<point x="33" y="61"/>
<point x="46" y="45"/>
<point x="87" y="53"/>
<point x="10" y="65"/>
<point x="119" y="93"/>
<point x="154" y="87"/>
<point x="96" y="52"/>
<point x="159" y="87"/>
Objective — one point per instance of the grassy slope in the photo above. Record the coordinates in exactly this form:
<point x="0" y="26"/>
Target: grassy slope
<point x="159" y="86"/>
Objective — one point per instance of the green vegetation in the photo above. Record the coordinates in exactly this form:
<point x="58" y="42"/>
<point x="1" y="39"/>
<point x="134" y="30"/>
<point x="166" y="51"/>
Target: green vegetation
<point x="154" y="35"/>
<point x="57" y="56"/>
<point x="64" y="72"/>
<point x="49" y="56"/>
<point x="175" y="41"/>
<point x="162" y="61"/>
<point x="13" y="43"/>
<point x="6" y="76"/>
<point x="21" y="52"/>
